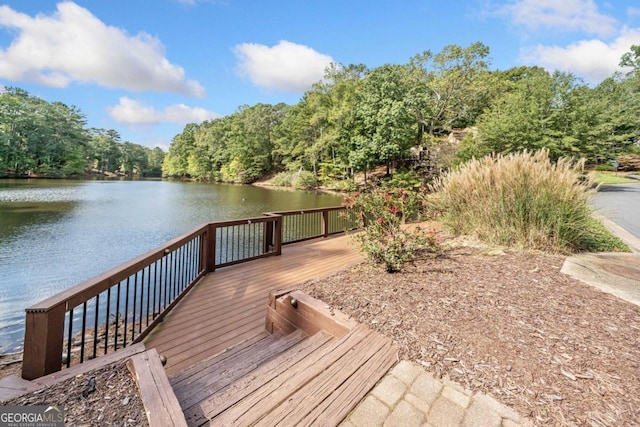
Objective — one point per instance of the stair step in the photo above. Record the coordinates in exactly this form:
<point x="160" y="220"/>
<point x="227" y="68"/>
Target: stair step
<point x="235" y="393"/>
<point x="226" y="354"/>
<point x="302" y="386"/>
<point x="225" y="369"/>
<point x="328" y="398"/>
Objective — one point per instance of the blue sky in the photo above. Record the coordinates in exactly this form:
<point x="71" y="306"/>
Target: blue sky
<point x="147" y="67"/>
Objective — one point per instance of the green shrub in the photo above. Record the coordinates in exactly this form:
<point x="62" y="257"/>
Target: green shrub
<point x="283" y="179"/>
<point x="470" y="148"/>
<point x="602" y="240"/>
<point x="386" y="239"/>
<point x="604" y="167"/>
<point x="301" y="180"/>
<point x="521" y="199"/>
<point x="304" y="180"/>
<point x="345" y="185"/>
<point x="232" y="171"/>
<point x="407" y="179"/>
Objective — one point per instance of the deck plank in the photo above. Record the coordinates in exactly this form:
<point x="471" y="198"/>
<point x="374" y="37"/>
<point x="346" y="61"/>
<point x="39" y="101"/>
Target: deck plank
<point x="335" y="408"/>
<point x="230" y="304"/>
<point x="215" y="377"/>
<point x="275" y="392"/>
<point x="246" y="386"/>
<point x="228" y="354"/>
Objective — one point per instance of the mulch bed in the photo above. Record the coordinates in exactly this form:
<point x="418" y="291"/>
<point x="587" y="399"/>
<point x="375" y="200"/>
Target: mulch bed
<point x="107" y="397"/>
<point x="507" y="324"/>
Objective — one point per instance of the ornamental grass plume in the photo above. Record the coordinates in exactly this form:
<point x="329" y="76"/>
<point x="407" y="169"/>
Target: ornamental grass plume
<point x="520" y="199"/>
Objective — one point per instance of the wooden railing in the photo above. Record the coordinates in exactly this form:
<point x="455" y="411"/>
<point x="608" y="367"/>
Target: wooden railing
<point x="121" y="306"/>
<point x="298" y="226"/>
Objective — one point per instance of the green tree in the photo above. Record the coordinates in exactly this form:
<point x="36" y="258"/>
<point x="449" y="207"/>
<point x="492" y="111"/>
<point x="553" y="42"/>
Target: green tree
<point x="532" y="115"/>
<point x="559" y="112"/>
<point x="155" y="158"/>
<point x="451" y="88"/>
<point x="176" y="161"/>
<point x="67" y="140"/>
<point x="17" y="120"/>
<point x="103" y="150"/>
<point x="133" y="158"/>
<point x="384" y="129"/>
<point x="631" y="60"/>
<point x="40" y="137"/>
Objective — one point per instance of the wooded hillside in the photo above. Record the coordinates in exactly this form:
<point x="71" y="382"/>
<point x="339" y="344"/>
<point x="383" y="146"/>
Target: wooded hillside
<point x="357" y="118"/>
<point x="38" y="138"/>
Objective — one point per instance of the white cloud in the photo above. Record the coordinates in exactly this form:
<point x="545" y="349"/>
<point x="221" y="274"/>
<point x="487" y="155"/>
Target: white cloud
<point x="593" y="60"/>
<point x="633" y="11"/>
<point x="560" y="15"/>
<point x="73" y="45"/>
<point x="287" y="66"/>
<point x="133" y="112"/>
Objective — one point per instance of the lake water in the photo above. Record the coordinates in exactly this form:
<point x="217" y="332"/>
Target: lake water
<point x="57" y="233"/>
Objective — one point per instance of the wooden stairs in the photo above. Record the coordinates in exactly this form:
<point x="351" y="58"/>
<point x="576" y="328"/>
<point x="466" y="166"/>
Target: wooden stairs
<point x="311" y="366"/>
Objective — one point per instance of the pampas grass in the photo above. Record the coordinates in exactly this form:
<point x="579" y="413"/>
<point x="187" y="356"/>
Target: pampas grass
<point x="520" y="199"/>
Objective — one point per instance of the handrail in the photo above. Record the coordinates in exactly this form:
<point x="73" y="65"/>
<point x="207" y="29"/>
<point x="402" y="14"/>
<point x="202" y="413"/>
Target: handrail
<point x="121" y="306"/>
<point x="114" y="309"/>
<point x="301" y="225"/>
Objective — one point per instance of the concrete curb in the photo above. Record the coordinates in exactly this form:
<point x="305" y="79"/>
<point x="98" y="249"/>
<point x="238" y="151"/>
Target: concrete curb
<point x="632" y="241"/>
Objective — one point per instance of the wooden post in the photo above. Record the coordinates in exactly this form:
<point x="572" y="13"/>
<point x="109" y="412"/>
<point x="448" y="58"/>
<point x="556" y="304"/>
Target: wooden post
<point x="204" y="250"/>
<point x="211" y="248"/>
<point x="277" y="235"/>
<point x="325" y="223"/>
<point x="43" y="338"/>
<point x="268" y="245"/>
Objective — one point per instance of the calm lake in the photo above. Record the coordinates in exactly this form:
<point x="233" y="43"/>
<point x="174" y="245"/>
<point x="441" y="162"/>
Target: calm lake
<point x="57" y="233"/>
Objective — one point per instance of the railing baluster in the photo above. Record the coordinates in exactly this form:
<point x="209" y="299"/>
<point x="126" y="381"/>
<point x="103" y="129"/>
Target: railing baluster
<point x="180" y="268"/>
<point x="166" y="282"/>
<point x="148" y="268"/>
<point x="115" y="337"/>
<point x="191" y="253"/>
<point x="69" y="338"/>
<point x="95" y="327"/>
<point x="140" y="277"/>
<point x="246" y="242"/>
<point x="172" y="273"/>
<point x="177" y="269"/>
<point x="183" y="268"/>
<point x="106" y="320"/>
<point x="157" y="287"/>
<point x="83" y="331"/>
<point x="133" y="306"/>
<point x="126" y="314"/>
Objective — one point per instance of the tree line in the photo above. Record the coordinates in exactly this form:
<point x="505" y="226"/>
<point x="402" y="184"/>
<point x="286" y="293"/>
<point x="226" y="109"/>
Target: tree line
<point x="39" y="138"/>
<point x="357" y="118"/>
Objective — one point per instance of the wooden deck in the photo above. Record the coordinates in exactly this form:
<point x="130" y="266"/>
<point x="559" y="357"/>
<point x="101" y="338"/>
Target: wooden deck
<point x="312" y="370"/>
<point x="244" y="348"/>
<point x="230" y="305"/>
